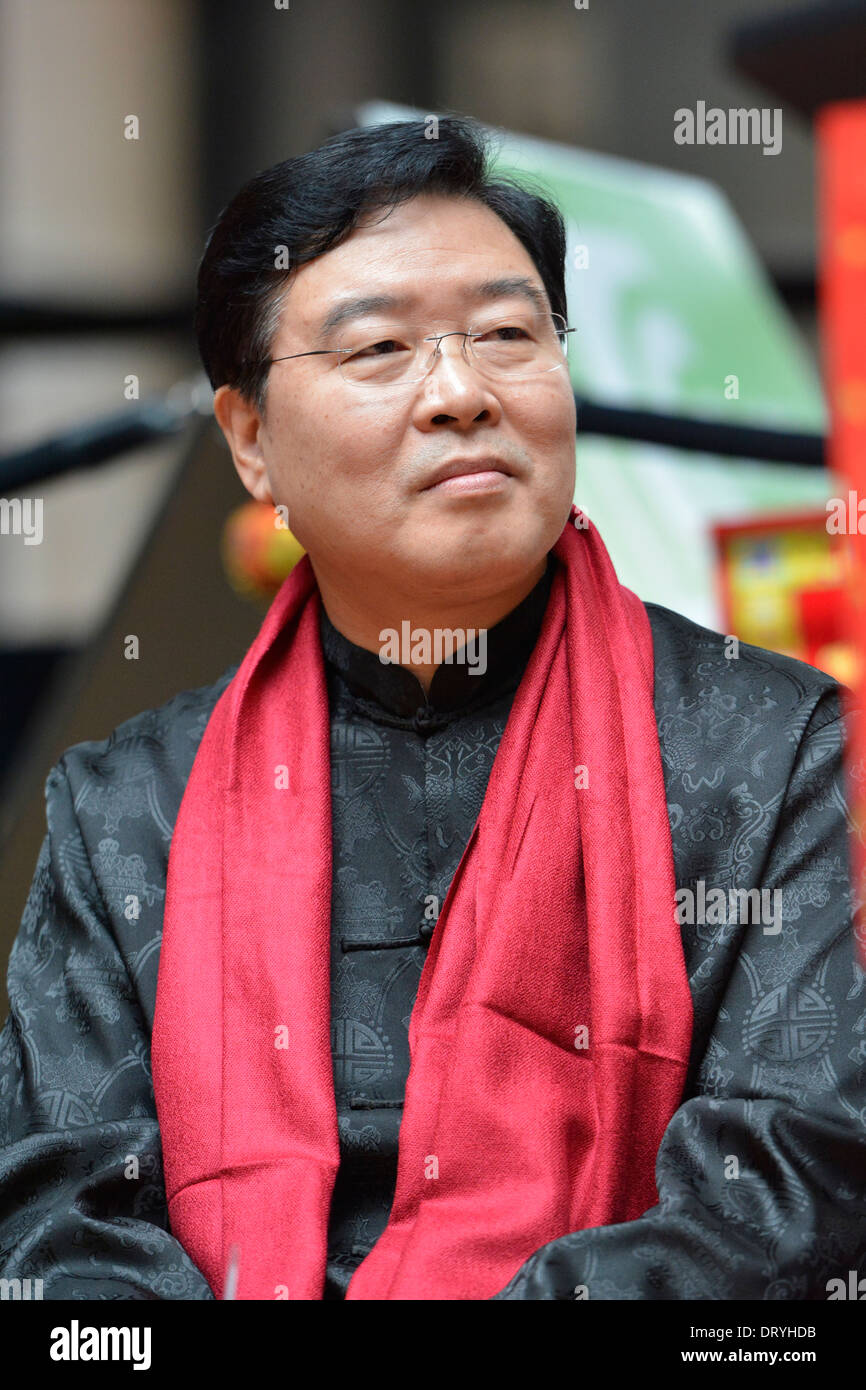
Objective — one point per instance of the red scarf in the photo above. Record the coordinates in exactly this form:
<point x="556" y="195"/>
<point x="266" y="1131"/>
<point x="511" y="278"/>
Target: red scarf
<point x="550" y="1037"/>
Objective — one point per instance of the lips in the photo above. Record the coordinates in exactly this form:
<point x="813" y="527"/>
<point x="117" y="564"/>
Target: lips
<point x="456" y="468"/>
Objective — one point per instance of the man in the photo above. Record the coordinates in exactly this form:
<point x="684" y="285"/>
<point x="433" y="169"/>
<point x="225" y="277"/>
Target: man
<point x="566" y="910"/>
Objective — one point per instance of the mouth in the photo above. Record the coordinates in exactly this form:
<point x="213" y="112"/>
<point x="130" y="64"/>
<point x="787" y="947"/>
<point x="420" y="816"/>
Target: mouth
<point x="469" y="475"/>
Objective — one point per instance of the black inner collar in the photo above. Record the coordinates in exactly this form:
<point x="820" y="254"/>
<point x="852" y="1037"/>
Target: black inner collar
<point x="454" y="686"/>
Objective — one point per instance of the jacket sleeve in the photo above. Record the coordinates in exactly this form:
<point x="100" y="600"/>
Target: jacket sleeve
<point x="761" y="1173"/>
<point x="82" y="1198"/>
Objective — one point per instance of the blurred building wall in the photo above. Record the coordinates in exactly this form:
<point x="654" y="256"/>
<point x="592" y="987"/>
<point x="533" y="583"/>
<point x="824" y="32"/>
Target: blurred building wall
<point x="91" y="221"/>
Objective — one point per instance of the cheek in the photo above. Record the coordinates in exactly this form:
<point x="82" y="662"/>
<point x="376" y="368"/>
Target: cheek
<point x="546" y="416"/>
<point x="351" y="438"/>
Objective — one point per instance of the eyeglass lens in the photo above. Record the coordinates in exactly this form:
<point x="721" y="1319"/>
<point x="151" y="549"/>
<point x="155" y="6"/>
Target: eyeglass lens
<point x="521" y="345"/>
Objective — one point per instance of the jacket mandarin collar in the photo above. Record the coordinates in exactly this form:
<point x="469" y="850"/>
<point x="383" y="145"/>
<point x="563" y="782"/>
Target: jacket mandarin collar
<point x="454" y="687"/>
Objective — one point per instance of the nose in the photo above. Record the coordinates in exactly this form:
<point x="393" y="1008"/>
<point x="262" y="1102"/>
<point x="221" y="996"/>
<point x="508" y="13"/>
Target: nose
<point x="453" y="391"/>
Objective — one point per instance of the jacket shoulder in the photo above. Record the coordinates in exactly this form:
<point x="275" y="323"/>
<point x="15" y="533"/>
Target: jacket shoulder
<point x="694" y="663"/>
<point x="161" y="740"/>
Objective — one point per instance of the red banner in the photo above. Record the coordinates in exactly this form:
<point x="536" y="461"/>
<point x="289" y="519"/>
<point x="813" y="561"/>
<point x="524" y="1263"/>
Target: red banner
<point x="841" y="132"/>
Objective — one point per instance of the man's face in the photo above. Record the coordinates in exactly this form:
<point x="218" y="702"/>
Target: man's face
<point x="353" y="464"/>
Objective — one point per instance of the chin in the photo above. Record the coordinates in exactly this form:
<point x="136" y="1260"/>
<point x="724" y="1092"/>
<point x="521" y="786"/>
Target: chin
<point x="493" y="561"/>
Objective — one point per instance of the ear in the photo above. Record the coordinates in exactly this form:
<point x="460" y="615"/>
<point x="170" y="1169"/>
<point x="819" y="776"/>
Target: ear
<point x="240" y="422"/>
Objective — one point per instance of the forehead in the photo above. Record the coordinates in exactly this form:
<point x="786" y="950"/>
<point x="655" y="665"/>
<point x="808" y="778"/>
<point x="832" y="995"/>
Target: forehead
<point x="431" y="251"/>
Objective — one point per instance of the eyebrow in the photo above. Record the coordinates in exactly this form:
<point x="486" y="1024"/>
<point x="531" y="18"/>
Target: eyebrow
<point x="505" y="287"/>
<point x="508" y="286"/>
<point x="359" y="308"/>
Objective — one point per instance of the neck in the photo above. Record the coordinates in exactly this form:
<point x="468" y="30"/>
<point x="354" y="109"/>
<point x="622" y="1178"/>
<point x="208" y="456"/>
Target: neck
<point x="361" y="616"/>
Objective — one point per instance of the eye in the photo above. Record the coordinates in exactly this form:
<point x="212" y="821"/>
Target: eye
<point x="383" y="347"/>
<point x="504" y="333"/>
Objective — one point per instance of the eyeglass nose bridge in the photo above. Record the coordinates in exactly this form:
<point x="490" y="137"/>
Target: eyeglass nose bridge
<point x="436" y="352"/>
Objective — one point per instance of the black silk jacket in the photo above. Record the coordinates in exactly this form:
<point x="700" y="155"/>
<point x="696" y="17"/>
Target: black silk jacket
<point x="761" y="1173"/>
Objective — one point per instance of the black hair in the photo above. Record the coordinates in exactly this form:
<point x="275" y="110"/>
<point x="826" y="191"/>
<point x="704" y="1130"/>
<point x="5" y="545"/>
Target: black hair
<point x="298" y="209"/>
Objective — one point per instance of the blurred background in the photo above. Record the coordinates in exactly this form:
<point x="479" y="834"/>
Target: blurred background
<point x="125" y="128"/>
